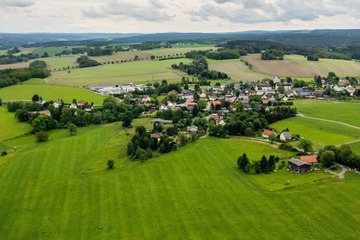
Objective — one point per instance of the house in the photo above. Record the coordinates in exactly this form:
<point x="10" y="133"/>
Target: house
<point x="81" y="103"/>
<point x="57" y="104"/>
<point x="163" y="107"/>
<point x="73" y="106"/>
<point x="263" y="87"/>
<point x="343" y="82"/>
<point x="41" y="102"/>
<point x="276" y="80"/>
<point x="287" y="86"/>
<point x="214" y="103"/>
<point x="265" y="102"/>
<point x="298" y="165"/>
<point x="88" y="107"/>
<point x="171" y="105"/>
<point x="286" y="136"/>
<point x="224" y="85"/>
<point x="192" y="129"/>
<point x="203" y="95"/>
<point x="268" y="132"/>
<point x="145" y="99"/>
<point x="158" y="136"/>
<point x="319" y="93"/>
<point x="309" y="159"/>
<point x="237" y="85"/>
<point x="46" y="112"/>
<point x="247" y="82"/>
<point x="351" y="90"/>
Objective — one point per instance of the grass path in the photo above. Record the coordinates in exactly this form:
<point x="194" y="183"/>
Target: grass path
<point x="327" y="120"/>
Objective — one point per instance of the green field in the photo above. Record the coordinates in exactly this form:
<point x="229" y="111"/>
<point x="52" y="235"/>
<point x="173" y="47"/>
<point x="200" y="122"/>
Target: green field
<point x="134" y="72"/>
<point x="347" y="112"/>
<point x="56" y="63"/>
<point x="355" y="147"/>
<point x="237" y="70"/>
<point x="10" y="127"/>
<point x="319" y="132"/>
<point x="54" y="191"/>
<point x="50" y="50"/>
<point x="194" y="45"/>
<point x="298" y="67"/>
<point x="48" y="92"/>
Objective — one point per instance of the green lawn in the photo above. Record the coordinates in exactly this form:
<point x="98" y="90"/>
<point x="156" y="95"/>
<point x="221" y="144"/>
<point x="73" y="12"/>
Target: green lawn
<point x="61" y="190"/>
<point x="135" y="72"/>
<point x="344" y="112"/>
<point x="10" y="127"/>
<point x="355" y="147"/>
<point x="319" y="132"/>
<point x="48" y="92"/>
<point x="50" y="50"/>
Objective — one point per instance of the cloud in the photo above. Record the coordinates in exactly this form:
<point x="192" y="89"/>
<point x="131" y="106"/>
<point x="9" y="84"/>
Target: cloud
<point x="17" y="3"/>
<point x="153" y="11"/>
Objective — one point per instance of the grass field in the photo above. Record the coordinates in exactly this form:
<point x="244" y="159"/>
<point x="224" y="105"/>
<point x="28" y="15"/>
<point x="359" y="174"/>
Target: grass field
<point x="344" y="112"/>
<point x="298" y="66"/>
<point x="48" y="92"/>
<point x="319" y="132"/>
<point x="195" y="45"/>
<point x="237" y="70"/>
<point x="50" y="50"/>
<point x="10" y="127"/>
<point x="135" y="72"/>
<point x="56" y="63"/>
<point x="355" y="147"/>
<point x="54" y="191"/>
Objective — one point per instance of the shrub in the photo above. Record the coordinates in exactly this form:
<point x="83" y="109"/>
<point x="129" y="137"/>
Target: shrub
<point x="110" y="164"/>
<point x="41" y="136"/>
<point x="4" y="153"/>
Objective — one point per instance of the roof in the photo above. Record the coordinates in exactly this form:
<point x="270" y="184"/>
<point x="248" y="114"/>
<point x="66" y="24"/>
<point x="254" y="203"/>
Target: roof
<point x="265" y="101"/>
<point x="215" y="103"/>
<point x="309" y="159"/>
<point x="267" y="132"/>
<point x="287" y="135"/>
<point x="298" y="162"/>
<point x="81" y="101"/>
<point x="156" y="135"/>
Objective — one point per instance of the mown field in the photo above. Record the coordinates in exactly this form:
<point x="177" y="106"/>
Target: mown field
<point x="347" y="112"/>
<point x="237" y="70"/>
<point x="10" y="127"/>
<point x="51" y="51"/>
<point x="298" y="66"/>
<point x="48" y="92"/>
<point x="135" y="72"/>
<point x="319" y="132"/>
<point x="61" y="190"/>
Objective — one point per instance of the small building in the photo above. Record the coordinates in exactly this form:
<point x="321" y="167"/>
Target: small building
<point x="309" y="159"/>
<point x="158" y="136"/>
<point x="57" y="104"/>
<point x="268" y="132"/>
<point x="145" y="99"/>
<point x="73" y="106"/>
<point x="46" y="112"/>
<point x="163" y="107"/>
<point x="81" y="103"/>
<point x="298" y="165"/>
<point x="88" y="108"/>
<point x="192" y="129"/>
<point x="286" y="136"/>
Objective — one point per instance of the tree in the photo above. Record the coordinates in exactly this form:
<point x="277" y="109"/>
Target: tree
<point x="41" y="136"/>
<point x="110" y="164"/>
<point x="43" y="122"/>
<point x="239" y="106"/>
<point x="131" y="149"/>
<point x="136" y="58"/>
<point x="257" y="167"/>
<point x="305" y="145"/>
<point x="182" y="139"/>
<point x="327" y="158"/>
<point x="38" y="64"/>
<point x="97" y="118"/>
<point x="148" y="153"/>
<point x="243" y="161"/>
<point x="72" y="129"/>
<point x="263" y="164"/>
<point x="152" y="57"/>
<point x="248" y="132"/>
<point x="0" y="101"/>
<point x="35" y="98"/>
<point x="271" y="163"/>
<point x="272" y="138"/>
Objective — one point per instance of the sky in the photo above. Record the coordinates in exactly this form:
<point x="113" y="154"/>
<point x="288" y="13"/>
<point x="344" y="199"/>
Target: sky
<point x="154" y="16"/>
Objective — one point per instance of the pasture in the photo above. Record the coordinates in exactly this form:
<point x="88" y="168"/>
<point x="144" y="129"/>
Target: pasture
<point x="319" y="132"/>
<point x="347" y="112"/>
<point x="237" y="70"/>
<point x="48" y="92"/>
<point x="61" y="189"/>
<point x="298" y="66"/>
<point x="51" y="51"/>
<point x="10" y="127"/>
<point x="134" y="72"/>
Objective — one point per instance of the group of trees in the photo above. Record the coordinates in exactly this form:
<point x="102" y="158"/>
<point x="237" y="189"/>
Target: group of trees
<point x="272" y="54"/>
<point x="10" y="77"/>
<point x="10" y="59"/>
<point x="262" y="166"/>
<point x="84" y="62"/>
<point x="344" y="155"/>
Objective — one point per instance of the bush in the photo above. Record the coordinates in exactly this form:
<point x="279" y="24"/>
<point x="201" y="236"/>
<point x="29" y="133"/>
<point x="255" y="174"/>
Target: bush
<point x="287" y="147"/>
<point x="110" y="164"/>
<point x="41" y="136"/>
<point x="4" y="153"/>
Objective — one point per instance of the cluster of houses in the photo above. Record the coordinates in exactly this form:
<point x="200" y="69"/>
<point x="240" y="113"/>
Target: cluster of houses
<point x="81" y="104"/>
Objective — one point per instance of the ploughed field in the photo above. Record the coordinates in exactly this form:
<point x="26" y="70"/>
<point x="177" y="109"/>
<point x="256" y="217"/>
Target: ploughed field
<point x="61" y="189"/>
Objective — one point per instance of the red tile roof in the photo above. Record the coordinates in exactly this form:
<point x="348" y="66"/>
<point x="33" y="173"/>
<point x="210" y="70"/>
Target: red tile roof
<point x="267" y="132"/>
<point x="309" y="159"/>
<point x="215" y="103"/>
<point x="265" y="101"/>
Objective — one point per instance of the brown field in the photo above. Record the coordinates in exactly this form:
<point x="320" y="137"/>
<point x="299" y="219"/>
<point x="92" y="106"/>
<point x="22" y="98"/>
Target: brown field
<point x="298" y="66"/>
<point x="15" y="65"/>
<point x="238" y="71"/>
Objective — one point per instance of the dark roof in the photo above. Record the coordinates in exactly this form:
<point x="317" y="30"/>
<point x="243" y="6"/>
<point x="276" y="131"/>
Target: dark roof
<point x="298" y="162"/>
<point x="287" y="135"/>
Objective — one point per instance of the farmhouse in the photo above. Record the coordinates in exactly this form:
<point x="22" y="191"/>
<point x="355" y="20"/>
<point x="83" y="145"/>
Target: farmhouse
<point x="158" y="136"/>
<point x="145" y="99"/>
<point x="57" y="104"/>
<point x="286" y="136"/>
<point x="73" y="106"/>
<point x="287" y="86"/>
<point x="81" y="103"/>
<point x="263" y="87"/>
<point x="309" y="159"/>
<point x="46" y="112"/>
<point x="192" y="129"/>
<point x="268" y="132"/>
<point x="298" y="165"/>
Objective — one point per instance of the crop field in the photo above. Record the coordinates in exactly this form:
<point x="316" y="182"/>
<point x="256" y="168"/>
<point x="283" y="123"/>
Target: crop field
<point x="10" y="127"/>
<point x="319" y="132"/>
<point x="135" y="72"/>
<point x="48" y="92"/>
<point x="143" y="55"/>
<point x="54" y="191"/>
<point x="237" y="70"/>
<point x="50" y="50"/>
<point x="298" y="66"/>
<point x="15" y="65"/>
<point x="347" y="112"/>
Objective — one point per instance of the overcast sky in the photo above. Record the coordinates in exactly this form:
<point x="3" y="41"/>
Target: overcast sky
<point x="150" y="16"/>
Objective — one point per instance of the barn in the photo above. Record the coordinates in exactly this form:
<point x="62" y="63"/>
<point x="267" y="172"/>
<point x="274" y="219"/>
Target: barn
<point x="298" y="165"/>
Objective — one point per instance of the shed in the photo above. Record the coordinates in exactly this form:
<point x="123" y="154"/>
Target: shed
<point x="298" y="165"/>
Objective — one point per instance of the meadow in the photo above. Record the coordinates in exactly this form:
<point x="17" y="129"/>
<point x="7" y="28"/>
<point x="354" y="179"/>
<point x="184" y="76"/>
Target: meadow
<point x="319" y="132"/>
<point x="298" y="66"/>
<point x="51" y="51"/>
<point x="48" y="92"/>
<point x="237" y="70"/>
<point x="347" y="112"/>
<point x="135" y="72"/>
<point x="61" y="189"/>
<point x="10" y="127"/>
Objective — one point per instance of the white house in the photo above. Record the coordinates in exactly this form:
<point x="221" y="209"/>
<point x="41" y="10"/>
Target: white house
<point x="163" y="107"/>
<point x="145" y="99"/>
<point x="57" y="104"/>
<point x="73" y="106"/>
